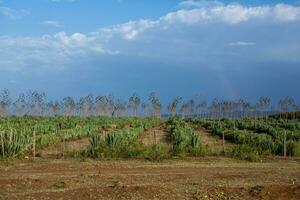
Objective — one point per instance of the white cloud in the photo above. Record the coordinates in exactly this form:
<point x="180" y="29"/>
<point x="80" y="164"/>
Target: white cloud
<point x="284" y="12"/>
<point x="229" y="14"/>
<point x="242" y="43"/>
<point x="51" y="23"/>
<point x="59" y="49"/>
<point x="129" y="30"/>
<point x="192" y="3"/>
<point x="183" y="34"/>
<point x="235" y="14"/>
<point x="12" y="13"/>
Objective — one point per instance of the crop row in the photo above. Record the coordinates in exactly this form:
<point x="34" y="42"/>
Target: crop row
<point x="259" y="135"/>
<point x="183" y="137"/>
<point x="18" y="133"/>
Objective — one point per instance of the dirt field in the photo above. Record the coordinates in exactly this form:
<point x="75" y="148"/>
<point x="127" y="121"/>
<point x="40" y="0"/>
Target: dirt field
<point x="155" y="135"/>
<point x="201" y="178"/>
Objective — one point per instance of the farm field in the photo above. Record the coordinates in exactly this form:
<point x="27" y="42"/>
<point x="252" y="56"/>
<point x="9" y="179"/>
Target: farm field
<point x="158" y="100"/>
<point x="149" y="158"/>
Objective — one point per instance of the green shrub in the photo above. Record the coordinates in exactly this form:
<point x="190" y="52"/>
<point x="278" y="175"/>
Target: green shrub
<point x="195" y="140"/>
<point x="157" y="152"/>
<point x="293" y="148"/>
<point x="183" y="137"/>
<point x="12" y="144"/>
<point x="134" y="150"/>
<point x="245" y="152"/>
<point x="95" y="141"/>
<point x="113" y="139"/>
<point x="198" y="151"/>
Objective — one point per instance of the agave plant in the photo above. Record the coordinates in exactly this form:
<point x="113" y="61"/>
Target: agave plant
<point x="195" y="140"/>
<point x="95" y="141"/>
<point x="113" y="139"/>
<point x="13" y="144"/>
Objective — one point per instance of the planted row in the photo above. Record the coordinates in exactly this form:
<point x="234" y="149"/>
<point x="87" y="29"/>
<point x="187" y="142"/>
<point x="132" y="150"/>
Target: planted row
<point x="183" y="138"/>
<point x="12" y="144"/>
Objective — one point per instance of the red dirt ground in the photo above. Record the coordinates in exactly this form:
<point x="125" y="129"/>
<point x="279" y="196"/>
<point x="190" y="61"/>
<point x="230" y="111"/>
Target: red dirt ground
<point x="192" y="178"/>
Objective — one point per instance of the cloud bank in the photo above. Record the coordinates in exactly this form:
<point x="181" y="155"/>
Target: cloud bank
<point x="199" y="32"/>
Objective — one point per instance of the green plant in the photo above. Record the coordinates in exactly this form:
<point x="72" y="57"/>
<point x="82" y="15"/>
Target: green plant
<point x="95" y="141"/>
<point x="12" y="144"/>
<point x="195" y="140"/>
<point x="157" y="152"/>
<point x="245" y="152"/>
<point x="183" y="137"/>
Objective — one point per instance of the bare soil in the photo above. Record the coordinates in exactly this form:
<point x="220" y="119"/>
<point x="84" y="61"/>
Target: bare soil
<point x="191" y="178"/>
<point x="214" y="142"/>
<point x="155" y="135"/>
<point x="58" y="150"/>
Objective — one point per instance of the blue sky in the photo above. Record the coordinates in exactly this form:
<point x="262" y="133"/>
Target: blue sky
<point x="224" y="49"/>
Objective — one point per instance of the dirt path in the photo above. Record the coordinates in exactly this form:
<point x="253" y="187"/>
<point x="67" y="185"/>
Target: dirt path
<point x="215" y="142"/>
<point x="58" y="150"/>
<point x="158" y="134"/>
<point x="203" y="178"/>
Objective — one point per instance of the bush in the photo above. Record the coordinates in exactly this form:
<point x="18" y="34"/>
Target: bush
<point x="134" y="150"/>
<point x="293" y="148"/>
<point x="157" y="152"/>
<point x="245" y="152"/>
<point x="199" y="151"/>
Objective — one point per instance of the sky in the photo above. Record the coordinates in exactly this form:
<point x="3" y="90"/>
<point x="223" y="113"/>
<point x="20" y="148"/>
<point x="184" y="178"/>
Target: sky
<point x="193" y="48"/>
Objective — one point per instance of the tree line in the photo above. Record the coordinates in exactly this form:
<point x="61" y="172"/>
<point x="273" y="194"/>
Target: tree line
<point x="35" y="103"/>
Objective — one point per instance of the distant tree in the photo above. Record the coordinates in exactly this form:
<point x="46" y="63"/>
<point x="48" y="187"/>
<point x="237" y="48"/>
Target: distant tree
<point x="49" y="108"/>
<point x="225" y="108"/>
<point x="101" y="104"/>
<point x="5" y="102"/>
<point x="239" y="108"/>
<point x="120" y="108"/>
<point x="285" y="105"/>
<point x="89" y="105"/>
<point x="173" y="106"/>
<point x="110" y="105"/>
<point x="53" y="108"/>
<point x="214" y="108"/>
<point x="200" y="108"/>
<point x="145" y="108"/>
<point x="295" y="109"/>
<point x="156" y="105"/>
<point x="134" y="102"/>
<point x="41" y="103"/>
<point x="19" y="105"/>
<point x="184" y="110"/>
<point x="69" y="106"/>
<point x="191" y="106"/>
<point x="85" y="105"/>
<point x="246" y="108"/>
<point x="80" y="106"/>
<point x="56" y="108"/>
<point x="36" y="103"/>
<point x="264" y="105"/>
